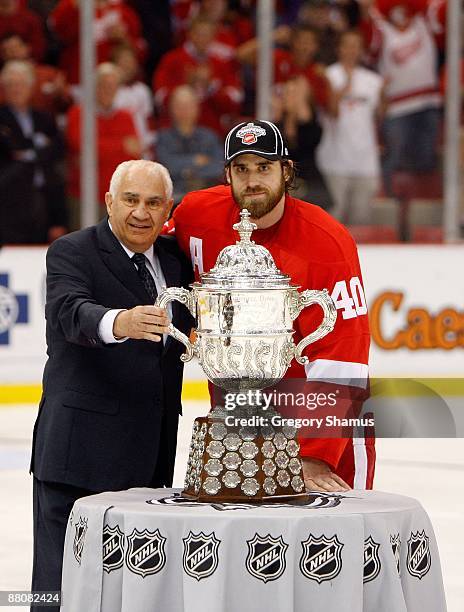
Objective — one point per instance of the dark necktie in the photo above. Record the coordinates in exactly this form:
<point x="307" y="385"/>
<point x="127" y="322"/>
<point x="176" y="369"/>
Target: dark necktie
<point x="144" y="273"/>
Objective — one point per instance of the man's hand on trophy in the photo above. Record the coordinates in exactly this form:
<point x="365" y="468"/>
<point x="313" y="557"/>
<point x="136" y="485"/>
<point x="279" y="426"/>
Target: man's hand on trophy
<point x="142" y="323"/>
<point x="319" y="477"/>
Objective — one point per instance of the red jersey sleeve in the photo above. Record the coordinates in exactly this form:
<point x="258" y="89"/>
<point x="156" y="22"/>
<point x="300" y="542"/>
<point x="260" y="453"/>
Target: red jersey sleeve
<point x="340" y="359"/>
<point x="349" y="340"/>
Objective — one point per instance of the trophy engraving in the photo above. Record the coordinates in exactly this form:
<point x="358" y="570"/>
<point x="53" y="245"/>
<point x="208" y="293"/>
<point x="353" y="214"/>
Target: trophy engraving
<point x="245" y="308"/>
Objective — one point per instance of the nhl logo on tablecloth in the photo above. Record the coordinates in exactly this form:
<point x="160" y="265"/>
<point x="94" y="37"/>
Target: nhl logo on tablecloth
<point x="113" y="548"/>
<point x="321" y="559"/>
<point x="79" y="538"/>
<point x="419" y="559"/>
<point x="200" y="554"/>
<point x="266" y="557"/>
<point x="396" y="549"/>
<point x="314" y="500"/>
<point x="371" y="560"/>
<point x="145" y="552"/>
<point x="250" y="133"/>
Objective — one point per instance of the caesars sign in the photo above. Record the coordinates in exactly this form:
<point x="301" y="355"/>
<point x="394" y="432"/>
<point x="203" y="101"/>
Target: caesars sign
<point x="421" y="328"/>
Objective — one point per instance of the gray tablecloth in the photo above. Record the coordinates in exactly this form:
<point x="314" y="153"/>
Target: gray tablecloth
<point x="147" y="550"/>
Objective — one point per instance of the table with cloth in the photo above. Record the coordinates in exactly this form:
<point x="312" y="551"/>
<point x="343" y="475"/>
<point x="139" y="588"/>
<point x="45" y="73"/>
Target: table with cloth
<point x="144" y="549"/>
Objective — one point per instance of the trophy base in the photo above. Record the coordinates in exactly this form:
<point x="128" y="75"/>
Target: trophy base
<point x="297" y="499"/>
<point x="244" y="464"/>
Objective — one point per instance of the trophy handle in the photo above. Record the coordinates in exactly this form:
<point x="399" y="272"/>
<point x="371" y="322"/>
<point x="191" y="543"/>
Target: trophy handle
<point x="184" y="296"/>
<point x="306" y="298"/>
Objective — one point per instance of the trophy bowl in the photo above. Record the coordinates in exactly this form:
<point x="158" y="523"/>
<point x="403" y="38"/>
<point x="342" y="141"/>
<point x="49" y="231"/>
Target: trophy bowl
<point x="244" y="308"/>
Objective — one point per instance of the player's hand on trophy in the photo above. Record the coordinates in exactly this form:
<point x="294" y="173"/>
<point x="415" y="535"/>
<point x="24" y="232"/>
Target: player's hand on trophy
<point x="319" y="477"/>
<point x="142" y="323"/>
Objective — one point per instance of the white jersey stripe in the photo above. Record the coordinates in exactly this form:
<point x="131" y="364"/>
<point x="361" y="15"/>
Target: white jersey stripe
<point x="339" y="372"/>
<point x="360" y="463"/>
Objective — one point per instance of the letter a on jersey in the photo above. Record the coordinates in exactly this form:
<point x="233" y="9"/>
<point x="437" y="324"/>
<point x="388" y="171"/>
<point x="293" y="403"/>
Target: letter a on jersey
<point x="196" y="253"/>
<point x="266" y="557"/>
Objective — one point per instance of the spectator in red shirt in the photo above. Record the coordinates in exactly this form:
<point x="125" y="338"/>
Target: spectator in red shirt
<point x="20" y="20"/>
<point x="115" y="23"/>
<point x="215" y="81"/>
<point x="232" y="30"/>
<point x="298" y="60"/>
<point x="51" y="92"/>
<point x="117" y="139"/>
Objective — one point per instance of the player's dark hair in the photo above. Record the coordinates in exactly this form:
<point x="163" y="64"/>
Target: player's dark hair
<point x="291" y="175"/>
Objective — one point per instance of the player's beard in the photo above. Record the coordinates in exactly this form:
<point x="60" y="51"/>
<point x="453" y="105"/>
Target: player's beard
<point x="261" y="205"/>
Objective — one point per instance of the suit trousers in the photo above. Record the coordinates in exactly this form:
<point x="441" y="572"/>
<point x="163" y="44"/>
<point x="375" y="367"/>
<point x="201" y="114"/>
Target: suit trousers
<point x="52" y="505"/>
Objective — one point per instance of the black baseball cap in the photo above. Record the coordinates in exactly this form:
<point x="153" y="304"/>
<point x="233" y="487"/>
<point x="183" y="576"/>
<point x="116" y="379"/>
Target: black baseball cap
<point x="262" y="138"/>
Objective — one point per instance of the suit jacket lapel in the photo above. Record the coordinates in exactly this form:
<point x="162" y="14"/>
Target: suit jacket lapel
<point x="118" y="262"/>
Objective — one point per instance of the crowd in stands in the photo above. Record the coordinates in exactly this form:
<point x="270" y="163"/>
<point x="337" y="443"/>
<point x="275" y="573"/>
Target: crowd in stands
<point x="357" y="92"/>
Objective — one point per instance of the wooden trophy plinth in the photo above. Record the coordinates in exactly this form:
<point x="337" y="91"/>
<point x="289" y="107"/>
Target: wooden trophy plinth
<point x="247" y="464"/>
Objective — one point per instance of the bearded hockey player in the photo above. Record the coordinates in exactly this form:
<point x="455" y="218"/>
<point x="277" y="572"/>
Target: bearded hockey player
<point x="317" y="252"/>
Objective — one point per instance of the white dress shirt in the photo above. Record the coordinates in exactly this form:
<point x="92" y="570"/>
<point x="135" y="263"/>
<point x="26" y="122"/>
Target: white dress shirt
<point x="105" y="327"/>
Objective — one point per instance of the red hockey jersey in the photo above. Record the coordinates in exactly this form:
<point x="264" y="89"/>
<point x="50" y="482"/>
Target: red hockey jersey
<point x="316" y="252"/>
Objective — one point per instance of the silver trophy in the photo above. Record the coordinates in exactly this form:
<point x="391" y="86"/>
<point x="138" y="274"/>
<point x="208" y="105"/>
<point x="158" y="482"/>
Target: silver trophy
<point x="245" y="308"/>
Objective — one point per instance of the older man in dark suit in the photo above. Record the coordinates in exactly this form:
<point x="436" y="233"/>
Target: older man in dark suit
<point x="111" y="389"/>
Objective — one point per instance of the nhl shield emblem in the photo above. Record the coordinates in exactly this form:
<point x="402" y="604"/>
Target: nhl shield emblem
<point x="321" y="559"/>
<point x="145" y="552"/>
<point x="250" y="133"/>
<point x="79" y="538"/>
<point x="266" y="557"/>
<point x="371" y="559"/>
<point x="419" y="560"/>
<point x="395" y="543"/>
<point x="200" y="558"/>
<point x="113" y="548"/>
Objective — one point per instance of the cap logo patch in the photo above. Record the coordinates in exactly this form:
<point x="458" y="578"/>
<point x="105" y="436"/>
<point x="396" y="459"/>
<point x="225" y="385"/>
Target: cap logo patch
<point x="250" y="133"/>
